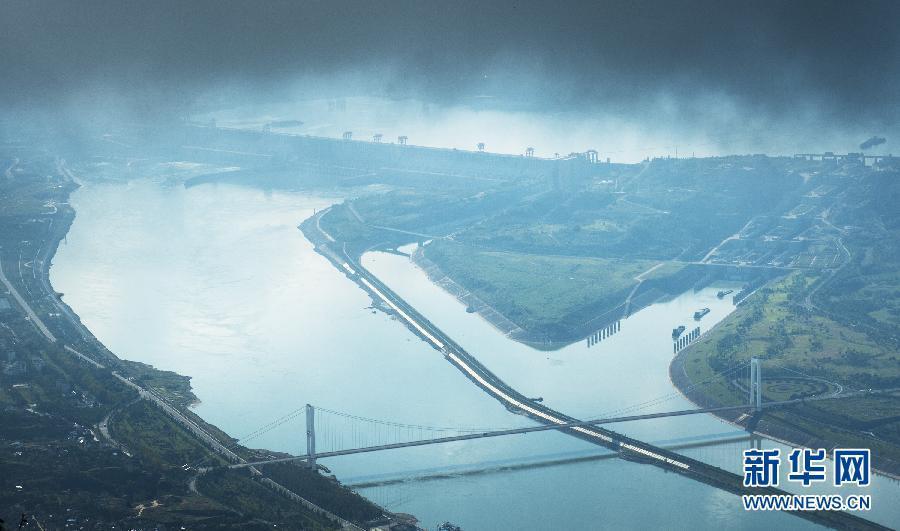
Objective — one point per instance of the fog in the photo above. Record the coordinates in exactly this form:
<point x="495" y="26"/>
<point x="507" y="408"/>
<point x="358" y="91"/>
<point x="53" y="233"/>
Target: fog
<point x="155" y="216"/>
<point x="630" y="79"/>
<point x="655" y="129"/>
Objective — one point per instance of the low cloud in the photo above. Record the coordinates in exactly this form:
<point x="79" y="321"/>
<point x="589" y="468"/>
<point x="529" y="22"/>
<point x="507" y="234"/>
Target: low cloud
<point x="872" y="142"/>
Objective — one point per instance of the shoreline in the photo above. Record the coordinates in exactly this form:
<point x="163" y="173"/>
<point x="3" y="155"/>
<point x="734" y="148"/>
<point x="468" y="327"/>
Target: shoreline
<point x="497" y="320"/>
<point x="645" y="293"/>
<point x="180" y="411"/>
<point x="515" y="332"/>
<point x="45" y="274"/>
<point x="681" y="382"/>
<point x="346" y="261"/>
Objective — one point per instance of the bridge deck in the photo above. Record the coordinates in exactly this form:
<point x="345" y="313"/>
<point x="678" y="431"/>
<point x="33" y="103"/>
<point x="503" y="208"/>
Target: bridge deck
<point x="512" y="399"/>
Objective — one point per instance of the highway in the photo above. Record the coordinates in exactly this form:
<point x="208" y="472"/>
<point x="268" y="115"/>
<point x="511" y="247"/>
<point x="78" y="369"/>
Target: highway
<point x="40" y="271"/>
<point x="160" y="402"/>
<point x="478" y="373"/>
<point x="548" y="427"/>
<point x="506" y="466"/>
<point x="494" y="433"/>
<point x="473" y="369"/>
<point x="213" y="442"/>
<point x="493" y="385"/>
<point x="40" y="265"/>
<point x="33" y="317"/>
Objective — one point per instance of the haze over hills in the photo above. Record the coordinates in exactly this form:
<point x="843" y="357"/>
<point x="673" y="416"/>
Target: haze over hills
<point x="797" y="77"/>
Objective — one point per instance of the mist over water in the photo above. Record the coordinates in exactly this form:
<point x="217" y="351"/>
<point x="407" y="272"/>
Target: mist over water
<point x="659" y="128"/>
<point x="630" y="79"/>
<point x="215" y="281"/>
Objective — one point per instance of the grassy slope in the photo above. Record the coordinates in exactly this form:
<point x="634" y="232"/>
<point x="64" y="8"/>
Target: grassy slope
<point x="771" y="326"/>
<point x="518" y="243"/>
<point x="539" y="292"/>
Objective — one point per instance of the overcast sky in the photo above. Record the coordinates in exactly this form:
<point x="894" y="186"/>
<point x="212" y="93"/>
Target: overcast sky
<point x="835" y="59"/>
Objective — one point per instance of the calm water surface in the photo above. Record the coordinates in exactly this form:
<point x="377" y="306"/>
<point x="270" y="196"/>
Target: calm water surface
<point x="216" y="282"/>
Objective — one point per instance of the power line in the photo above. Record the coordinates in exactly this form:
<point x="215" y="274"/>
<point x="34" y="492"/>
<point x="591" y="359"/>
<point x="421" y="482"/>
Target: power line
<point x="467" y="429"/>
<point x="670" y="396"/>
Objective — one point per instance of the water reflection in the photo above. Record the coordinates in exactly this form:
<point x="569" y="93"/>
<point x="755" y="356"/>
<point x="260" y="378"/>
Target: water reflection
<point x="216" y="282"/>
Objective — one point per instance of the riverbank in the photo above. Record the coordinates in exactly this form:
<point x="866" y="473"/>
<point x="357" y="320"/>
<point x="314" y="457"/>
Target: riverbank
<point x="515" y="299"/>
<point x="153" y="432"/>
<point x="850" y="422"/>
<point x="628" y="448"/>
<point x="762" y="427"/>
<point x="320" y="332"/>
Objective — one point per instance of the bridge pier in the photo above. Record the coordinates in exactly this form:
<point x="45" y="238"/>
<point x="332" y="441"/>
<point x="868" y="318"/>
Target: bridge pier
<point x="755" y="384"/>
<point x="755" y="442"/>
<point x="311" y="436"/>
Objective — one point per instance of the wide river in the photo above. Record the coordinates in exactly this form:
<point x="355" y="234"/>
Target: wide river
<point x="217" y="282"/>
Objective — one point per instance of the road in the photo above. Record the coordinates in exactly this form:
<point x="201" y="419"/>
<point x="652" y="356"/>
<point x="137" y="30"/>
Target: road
<point x="212" y="442"/>
<point x="473" y="369"/>
<point x="172" y="412"/>
<point x="735" y="236"/>
<point x="808" y="301"/>
<point x="563" y="426"/>
<point x="479" y="374"/>
<point x="42" y="265"/>
<point x="640" y="280"/>
<point x="645" y="207"/>
<point x="103" y="427"/>
<point x="319" y="226"/>
<point x="824" y="218"/>
<point x="33" y="317"/>
<point x="45" y="252"/>
<point x="180" y="418"/>
<point x="360" y="219"/>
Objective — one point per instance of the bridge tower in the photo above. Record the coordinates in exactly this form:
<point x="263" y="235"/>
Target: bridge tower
<point x="311" y="436"/>
<point x="755" y="384"/>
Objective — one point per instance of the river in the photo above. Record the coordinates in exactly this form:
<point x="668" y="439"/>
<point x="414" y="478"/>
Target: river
<point x="216" y="282"/>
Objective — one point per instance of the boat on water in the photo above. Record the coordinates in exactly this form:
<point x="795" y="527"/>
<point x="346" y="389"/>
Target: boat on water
<point x="676" y="332"/>
<point x="699" y="314"/>
<point x="723" y="293"/>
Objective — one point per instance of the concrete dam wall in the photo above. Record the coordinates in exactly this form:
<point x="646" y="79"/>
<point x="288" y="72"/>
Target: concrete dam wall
<point x="245" y="147"/>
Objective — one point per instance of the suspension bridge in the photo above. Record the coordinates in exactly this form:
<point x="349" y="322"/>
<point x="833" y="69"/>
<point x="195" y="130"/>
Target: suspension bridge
<point x="347" y="434"/>
<point x="331" y="433"/>
<point x="593" y="431"/>
<point x="716" y="447"/>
